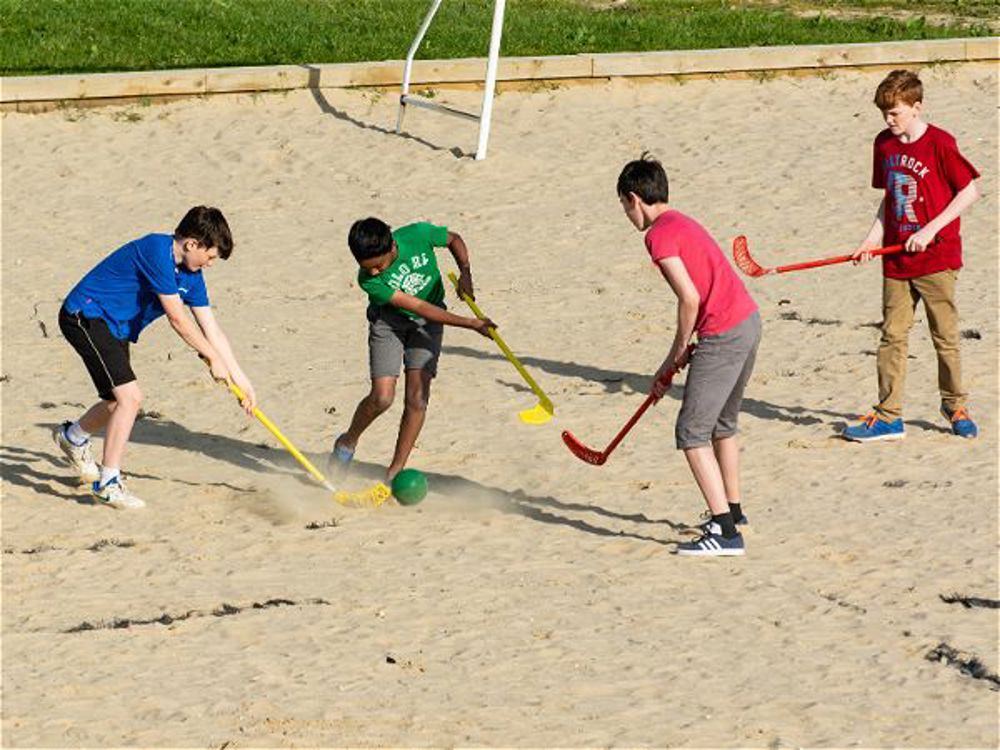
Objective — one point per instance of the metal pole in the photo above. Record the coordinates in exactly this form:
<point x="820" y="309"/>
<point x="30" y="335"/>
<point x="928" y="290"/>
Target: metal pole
<point x="491" y="79"/>
<point x="409" y="60"/>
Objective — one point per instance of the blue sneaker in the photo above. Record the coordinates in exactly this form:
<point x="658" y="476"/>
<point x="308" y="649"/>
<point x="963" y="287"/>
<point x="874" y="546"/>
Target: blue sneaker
<point x="340" y="457"/>
<point x="713" y="544"/>
<point x="873" y="428"/>
<point x="961" y="423"/>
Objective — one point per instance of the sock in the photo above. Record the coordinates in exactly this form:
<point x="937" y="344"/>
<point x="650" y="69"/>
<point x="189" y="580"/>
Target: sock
<point x="725" y="521"/>
<point x="75" y="434"/>
<point x="107" y="474"/>
<point x="735" y="511"/>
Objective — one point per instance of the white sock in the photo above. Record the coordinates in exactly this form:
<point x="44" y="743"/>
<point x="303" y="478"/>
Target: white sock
<point x="76" y="435"/>
<point x="107" y="474"/>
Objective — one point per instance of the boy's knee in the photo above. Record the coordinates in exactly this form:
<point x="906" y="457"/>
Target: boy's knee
<point x="128" y="396"/>
<point x="380" y="399"/>
<point x="416" y="401"/>
<point x="894" y="338"/>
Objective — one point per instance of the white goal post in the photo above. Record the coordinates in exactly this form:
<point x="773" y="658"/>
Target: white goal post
<point x="406" y="98"/>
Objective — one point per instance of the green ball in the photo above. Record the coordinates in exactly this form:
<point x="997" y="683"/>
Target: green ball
<point x="409" y="487"/>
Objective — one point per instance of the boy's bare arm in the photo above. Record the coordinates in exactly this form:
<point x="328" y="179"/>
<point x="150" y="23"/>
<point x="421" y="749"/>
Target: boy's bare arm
<point x="438" y="315"/>
<point x="217" y="338"/>
<point x="919" y="241"/>
<point x="688" y="301"/>
<point x="460" y="252"/>
<point x="192" y="335"/>
<point x="874" y="237"/>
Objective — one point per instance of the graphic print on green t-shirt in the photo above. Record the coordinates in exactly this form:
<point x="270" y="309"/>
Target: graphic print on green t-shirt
<point x="415" y="270"/>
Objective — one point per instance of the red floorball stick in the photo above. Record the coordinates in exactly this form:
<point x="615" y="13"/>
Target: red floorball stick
<point x="597" y="458"/>
<point x="741" y="255"/>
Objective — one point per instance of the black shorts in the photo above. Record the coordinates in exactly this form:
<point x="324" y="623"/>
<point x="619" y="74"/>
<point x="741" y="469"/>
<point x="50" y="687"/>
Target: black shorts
<point x="106" y="358"/>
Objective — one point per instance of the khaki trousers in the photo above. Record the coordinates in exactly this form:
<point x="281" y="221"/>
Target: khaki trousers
<point x="899" y="301"/>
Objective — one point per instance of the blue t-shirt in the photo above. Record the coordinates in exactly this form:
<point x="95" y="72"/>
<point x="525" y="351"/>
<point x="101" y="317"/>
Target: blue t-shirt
<point x="122" y="289"/>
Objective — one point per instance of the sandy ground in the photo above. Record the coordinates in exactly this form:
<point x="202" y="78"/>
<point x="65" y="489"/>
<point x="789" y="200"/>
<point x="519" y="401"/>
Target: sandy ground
<point x="530" y="600"/>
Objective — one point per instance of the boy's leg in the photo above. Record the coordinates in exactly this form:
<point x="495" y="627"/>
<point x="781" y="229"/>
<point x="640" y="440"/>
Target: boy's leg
<point x="95" y="419"/>
<point x="128" y="399"/>
<point x="418" y="392"/>
<point x="378" y="400"/>
<point x="727" y="455"/>
<point x="720" y="537"/>
<point x="719" y="369"/>
<point x="724" y="443"/>
<point x="899" y="299"/>
<point x="110" y="489"/>
<point x="385" y="357"/>
<point x="420" y="360"/>
<point x="108" y="363"/>
<point x="938" y="293"/>
<point x="708" y="475"/>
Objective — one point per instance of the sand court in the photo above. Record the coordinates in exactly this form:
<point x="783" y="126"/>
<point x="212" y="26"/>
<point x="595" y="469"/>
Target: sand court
<point x="530" y="600"/>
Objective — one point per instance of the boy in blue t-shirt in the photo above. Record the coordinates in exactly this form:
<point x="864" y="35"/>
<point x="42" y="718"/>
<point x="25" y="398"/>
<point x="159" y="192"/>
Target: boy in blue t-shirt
<point x="152" y="276"/>
<point x="406" y="316"/>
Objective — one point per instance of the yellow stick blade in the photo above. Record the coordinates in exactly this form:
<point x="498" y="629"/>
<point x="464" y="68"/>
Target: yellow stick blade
<point x="537" y="414"/>
<point x="372" y="497"/>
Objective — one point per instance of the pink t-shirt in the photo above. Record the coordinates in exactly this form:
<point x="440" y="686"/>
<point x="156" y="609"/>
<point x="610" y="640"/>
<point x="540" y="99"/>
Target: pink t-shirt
<point x="725" y="302"/>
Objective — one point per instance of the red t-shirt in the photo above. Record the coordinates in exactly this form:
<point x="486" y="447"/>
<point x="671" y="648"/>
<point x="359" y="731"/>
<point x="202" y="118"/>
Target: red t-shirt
<point x="920" y="179"/>
<point x="725" y="302"/>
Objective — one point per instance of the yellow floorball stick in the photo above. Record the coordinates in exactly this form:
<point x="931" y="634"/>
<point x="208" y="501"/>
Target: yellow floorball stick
<point x="541" y="412"/>
<point x="373" y="496"/>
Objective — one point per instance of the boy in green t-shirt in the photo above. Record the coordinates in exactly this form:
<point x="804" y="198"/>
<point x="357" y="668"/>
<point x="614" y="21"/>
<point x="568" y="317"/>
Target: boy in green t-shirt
<point x="406" y="317"/>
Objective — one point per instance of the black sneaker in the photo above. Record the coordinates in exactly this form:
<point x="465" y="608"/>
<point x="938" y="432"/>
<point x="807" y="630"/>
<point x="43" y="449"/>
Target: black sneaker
<point x="713" y="544"/>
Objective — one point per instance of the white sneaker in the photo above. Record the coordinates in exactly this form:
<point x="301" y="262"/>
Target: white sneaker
<point x="115" y="495"/>
<point x="78" y="456"/>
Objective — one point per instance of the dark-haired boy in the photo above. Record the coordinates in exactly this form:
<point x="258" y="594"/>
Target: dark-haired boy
<point x="406" y="314"/>
<point x="152" y="276"/>
<point x="712" y="302"/>
<point x="927" y="184"/>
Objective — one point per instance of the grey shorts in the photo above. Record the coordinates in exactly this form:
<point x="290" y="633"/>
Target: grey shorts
<point x="717" y="376"/>
<point x="395" y="339"/>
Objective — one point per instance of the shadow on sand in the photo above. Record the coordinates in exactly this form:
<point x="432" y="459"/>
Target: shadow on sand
<point x="327" y="108"/>
<point x="20" y="467"/>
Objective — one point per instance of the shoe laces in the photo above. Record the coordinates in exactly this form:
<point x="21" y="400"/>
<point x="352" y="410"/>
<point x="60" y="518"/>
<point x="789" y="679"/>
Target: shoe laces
<point x="959" y="414"/>
<point x="708" y="532"/>
<point x="85" y="453"/>
<point x="869" y="419"/>
<point x="116" y="485"/>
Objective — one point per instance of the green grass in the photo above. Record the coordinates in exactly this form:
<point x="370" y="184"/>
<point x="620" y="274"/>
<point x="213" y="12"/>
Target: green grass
<point x="68" y="36"/>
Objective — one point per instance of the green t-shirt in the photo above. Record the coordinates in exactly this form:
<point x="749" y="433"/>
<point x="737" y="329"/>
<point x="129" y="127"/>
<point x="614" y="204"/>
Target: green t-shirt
<point x="415" y="270"/>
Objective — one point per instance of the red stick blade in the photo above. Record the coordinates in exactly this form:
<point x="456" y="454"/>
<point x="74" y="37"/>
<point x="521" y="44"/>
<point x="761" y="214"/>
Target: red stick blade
<point x="741" y="256"/>
<point x="581" y="451"/>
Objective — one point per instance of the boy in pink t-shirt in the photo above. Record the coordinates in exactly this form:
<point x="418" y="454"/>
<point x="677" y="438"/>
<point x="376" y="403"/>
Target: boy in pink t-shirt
<point x="712" y="303"/>
<point x="926" y="184"/>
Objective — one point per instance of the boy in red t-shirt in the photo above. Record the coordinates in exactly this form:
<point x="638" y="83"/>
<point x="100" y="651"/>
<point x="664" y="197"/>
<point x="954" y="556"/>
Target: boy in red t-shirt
<point x="927" y="184"/>
<point x="712" y="302"/>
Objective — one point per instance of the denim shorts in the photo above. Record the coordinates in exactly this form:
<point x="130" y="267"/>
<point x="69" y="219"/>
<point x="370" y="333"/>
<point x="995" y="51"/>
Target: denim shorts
<point x="717" y="376"/>
<point x="395" y="340"/>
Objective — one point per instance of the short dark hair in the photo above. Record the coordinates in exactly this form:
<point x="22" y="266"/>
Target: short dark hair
<point x="900" y="86"/>
<point x="208" y="227"/>
<point x="369" y="238"/>
<point x="645" y="177"/>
